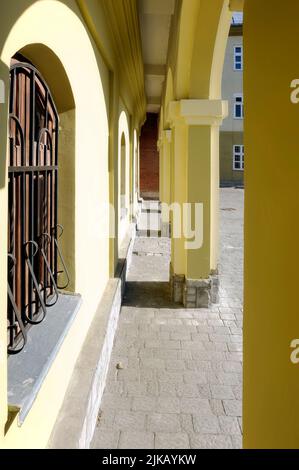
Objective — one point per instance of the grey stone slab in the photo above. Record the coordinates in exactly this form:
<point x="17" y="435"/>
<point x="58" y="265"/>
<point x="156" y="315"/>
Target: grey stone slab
<point x="172" y="440"/>
<point x="136" y="440"/>
<point x="222" y="392"/>
<point x="219" y="441"/>
<point x="168" y="404"/>
<point x="25" y="376"/>
<point x="229" y="425"/>
<point x="195" y="405"/>
<point x="145" y="403"/>
<point x="233" y="407"/>
<point x="105" y="439"/>
<point x="206" y="423"/>
<point x="163" y="422"/>
<point x="126" y="420"/>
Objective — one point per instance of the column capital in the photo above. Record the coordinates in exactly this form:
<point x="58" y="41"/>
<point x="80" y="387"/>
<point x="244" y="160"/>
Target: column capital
<point x="197" y="112"/>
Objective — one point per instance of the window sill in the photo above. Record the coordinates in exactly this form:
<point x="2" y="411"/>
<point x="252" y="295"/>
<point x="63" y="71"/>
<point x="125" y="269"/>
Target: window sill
<point x="28" y="369"/>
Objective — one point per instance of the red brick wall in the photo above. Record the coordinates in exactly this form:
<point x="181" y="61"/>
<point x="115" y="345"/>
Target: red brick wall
<point x="149" y="156"/>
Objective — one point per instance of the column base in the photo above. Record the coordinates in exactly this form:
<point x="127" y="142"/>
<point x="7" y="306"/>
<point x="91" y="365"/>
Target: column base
<point x="194" y="293"/>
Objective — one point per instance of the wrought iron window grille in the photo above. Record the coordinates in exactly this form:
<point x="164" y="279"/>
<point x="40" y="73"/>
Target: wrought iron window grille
<point x="33" y="231"/>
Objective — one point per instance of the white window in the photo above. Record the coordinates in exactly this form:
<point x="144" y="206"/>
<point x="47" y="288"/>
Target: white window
<point x="238" y="58"/>
<point x="238" y="107"/>
<point x="238" y="158"/>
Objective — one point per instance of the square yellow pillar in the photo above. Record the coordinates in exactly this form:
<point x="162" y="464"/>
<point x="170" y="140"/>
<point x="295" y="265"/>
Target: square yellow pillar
<point x="271" y="314"/>
<point x="195" y="188"/>
<point x="165" y="176"/>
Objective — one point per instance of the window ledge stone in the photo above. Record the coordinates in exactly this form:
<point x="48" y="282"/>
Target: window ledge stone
<point x="28" y="369"/>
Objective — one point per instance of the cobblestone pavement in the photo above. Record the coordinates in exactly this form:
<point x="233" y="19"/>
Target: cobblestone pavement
<point x="175" y="378"/>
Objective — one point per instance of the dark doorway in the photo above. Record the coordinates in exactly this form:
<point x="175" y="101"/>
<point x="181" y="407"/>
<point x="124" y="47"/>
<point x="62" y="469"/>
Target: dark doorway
<point x="149" y="158"/>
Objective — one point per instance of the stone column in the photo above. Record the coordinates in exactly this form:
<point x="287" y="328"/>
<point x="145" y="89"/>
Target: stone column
<point x="165" y="149"/>
<point x="195" y="180"/>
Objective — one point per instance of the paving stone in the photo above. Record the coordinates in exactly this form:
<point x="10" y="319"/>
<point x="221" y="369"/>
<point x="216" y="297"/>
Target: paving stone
<point x="237" y="442"/>
<point x="215" y="346"/>
<point x="126" y="420"/>
<point x="229" y="425"/>
<point x="211" y="442"/>
<point x="168" y="404"/>
<point x="181" y="382"/>
<point x="188" y="390"/>
<point x="105" y="439"/>
<point x="238" y="391"/>
<point x="206" y="423"/>
<point x="175" y="364"/>
<point x="144" y="404"/>
<point x="116" y="402"/>
<point x="232" y="366"/>
<point x="167" y="389"/>
<point x="233" y="407"/>
<point x="106" y="418"/>
<point x="234" y="356"/>
<point x="217" y="407"/>
<point x="227" y="378"/>
<point x="135" y="388"/>
<point x="172" y="440"/>
<point x="193" y="345"/>
<point x="136" y="440"/>
<point x="170" y="376"/>
<point x="195" y="405"/>
<point x="166" y="353"/>
<point x="187" y="423"/>
<point x="241" y="424"/>
<point x="222" y="392"/>
<point x="183" y="335"/>
<point x="152" y="363"/>
<point x="195" y="377"/>
<point x="162" y="422"/>
<point x="235" y="347"/>
<point x="204" y="391"/>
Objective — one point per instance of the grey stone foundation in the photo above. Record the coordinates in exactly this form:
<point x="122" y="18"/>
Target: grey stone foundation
<point x="199" y="293"/>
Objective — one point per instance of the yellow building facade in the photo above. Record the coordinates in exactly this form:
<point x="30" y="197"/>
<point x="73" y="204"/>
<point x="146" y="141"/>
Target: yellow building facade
<point x="96" y="81"/>
<point x="89" y="55"/>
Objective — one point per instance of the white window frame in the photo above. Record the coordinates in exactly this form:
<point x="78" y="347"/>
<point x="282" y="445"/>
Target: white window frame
<point x="237" y="104"/>
<point x="239" y="153"/>
<point x="237" y="55"/>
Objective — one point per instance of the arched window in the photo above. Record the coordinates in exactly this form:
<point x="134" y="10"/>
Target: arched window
<point x="32" y="203"/>
<point x="123" y="164"/>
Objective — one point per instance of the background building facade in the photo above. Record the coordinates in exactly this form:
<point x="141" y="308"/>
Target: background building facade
<point x="231" y="133"/>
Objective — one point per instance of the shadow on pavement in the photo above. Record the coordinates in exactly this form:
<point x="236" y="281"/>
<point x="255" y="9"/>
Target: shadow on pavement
<point x="149" y="295"/>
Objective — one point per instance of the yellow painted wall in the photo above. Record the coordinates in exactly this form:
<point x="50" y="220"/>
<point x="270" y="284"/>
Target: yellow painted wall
<point x="81" y="68"/>
<point x="271" y="381"/>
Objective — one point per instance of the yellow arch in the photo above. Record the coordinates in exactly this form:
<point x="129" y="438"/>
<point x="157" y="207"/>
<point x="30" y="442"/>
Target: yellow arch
<point x="201" y="49"/>
<point x="123" y="136"/>
<point x="50" y="30"/>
